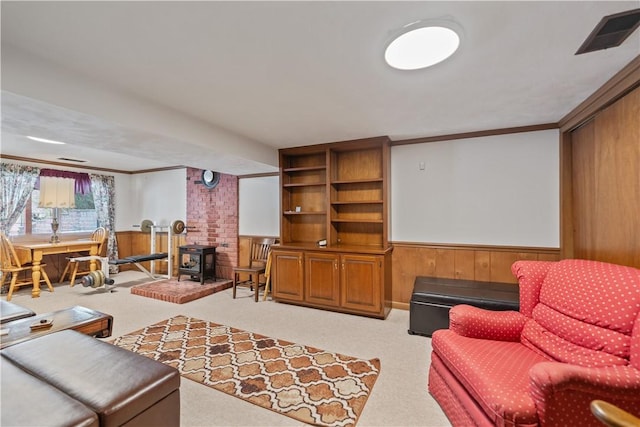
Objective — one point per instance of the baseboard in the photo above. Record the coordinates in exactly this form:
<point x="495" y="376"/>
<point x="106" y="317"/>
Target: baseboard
<point x="400" y="305"/>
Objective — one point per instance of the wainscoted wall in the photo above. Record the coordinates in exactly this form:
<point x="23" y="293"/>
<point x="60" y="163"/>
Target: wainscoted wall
<point x="138" y="243"/>
<point x="212" y="218"/>
<point x="482" y="263"/>
<point x="129" y="243"/>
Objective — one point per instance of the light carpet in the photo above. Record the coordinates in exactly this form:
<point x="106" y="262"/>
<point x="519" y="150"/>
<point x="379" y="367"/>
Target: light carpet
<point x="305" y="383"/>
<point x="179" y="292"/>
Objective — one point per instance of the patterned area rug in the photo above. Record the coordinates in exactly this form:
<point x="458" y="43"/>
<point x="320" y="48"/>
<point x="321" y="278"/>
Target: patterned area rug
<point x="305" y="383"/>
<point x="179" y="292"/>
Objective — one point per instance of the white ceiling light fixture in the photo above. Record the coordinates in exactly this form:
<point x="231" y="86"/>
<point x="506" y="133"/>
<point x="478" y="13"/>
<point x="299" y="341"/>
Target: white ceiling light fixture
<point x="47" y="141"/>
<point x="423" y="44"/>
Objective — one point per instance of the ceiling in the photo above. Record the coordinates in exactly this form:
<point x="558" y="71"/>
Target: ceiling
<point x="221" y="85"/>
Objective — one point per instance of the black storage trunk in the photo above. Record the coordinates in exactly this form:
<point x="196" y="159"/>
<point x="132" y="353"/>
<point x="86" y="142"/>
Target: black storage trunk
<point x="433" y="297"/>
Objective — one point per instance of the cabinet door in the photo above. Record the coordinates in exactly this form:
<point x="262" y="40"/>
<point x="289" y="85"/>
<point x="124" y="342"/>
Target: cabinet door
<point x="361" y="282"/>
<point x="322" y="281"/>
<point x="287" y="276"/>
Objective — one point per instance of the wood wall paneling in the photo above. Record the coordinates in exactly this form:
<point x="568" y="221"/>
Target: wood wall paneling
<point x="485" y="264"/>
<point x="583" y="185"/>
<point x="566" y="196"/>
<point x="139" y="243"/>
<point x="445" y="263"/>
<point x="482" y="266"/>
<point x="124" y="239"/>
<point x="464" y="264"/>
<point x="606" y="184"/>
<point x="244" y="252"/>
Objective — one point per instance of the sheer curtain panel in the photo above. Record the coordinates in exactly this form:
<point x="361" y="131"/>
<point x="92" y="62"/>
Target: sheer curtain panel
<point x="17" y="182"/>
<point x="104" y="190"/>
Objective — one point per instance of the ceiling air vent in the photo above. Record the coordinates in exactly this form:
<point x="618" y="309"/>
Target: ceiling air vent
<point x="71" y="160"/>
<point x="611" y="31"/>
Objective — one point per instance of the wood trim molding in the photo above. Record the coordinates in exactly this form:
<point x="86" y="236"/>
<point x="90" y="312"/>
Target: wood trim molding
<point x="476" y="134"/>
<point x="47" y="162"/>
<point x="400" y="305"/>
<point x="617" y="86"/>
<point x="259" y="175"/>
<point x="168" y="168"/>
<point x="246" y="236"/>
<point x="466" y="247"/>
<point x="80" y="166"/>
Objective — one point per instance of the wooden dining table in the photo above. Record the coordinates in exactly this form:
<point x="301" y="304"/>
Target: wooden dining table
<point x="33" y="252"/>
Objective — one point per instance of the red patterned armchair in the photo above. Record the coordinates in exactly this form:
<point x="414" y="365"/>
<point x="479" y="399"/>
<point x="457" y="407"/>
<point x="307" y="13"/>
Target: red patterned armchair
<point x="576" y="338"/>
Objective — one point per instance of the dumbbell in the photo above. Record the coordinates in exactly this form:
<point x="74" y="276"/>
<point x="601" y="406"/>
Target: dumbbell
<point x="96" y="279"/>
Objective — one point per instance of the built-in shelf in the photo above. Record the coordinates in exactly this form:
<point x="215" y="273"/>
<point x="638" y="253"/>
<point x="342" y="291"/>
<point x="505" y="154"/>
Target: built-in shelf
<point x="304" y="184"/>
<point x="362" y="221"/>
<point x="304" y="169"/>
<point x="355" y="181"/>
<point x="338" y="193"/>
<point x="304" y="213"/>
<point x="357" y="202"/>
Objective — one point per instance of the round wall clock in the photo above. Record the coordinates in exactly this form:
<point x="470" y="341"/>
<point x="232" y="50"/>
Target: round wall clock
<point x="210" y="178"/>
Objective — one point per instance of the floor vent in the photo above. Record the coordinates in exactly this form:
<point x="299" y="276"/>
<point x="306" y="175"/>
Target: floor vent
<point x="611" y="31"/>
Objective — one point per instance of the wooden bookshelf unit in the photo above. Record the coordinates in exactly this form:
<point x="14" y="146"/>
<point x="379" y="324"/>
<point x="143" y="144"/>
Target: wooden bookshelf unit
<point x="336" y="192"/>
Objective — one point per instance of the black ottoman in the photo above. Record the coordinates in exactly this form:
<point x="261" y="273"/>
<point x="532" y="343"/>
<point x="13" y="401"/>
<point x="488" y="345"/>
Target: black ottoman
<point x="28" y="401"/>
<point x="433" y="297"/>
<point x="10" y="312"/>
<point x="120" y="386"/>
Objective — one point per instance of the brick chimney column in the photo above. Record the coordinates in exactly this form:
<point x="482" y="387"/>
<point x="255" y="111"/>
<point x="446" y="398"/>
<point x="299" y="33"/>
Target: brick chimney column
<point x="214" y="215"/>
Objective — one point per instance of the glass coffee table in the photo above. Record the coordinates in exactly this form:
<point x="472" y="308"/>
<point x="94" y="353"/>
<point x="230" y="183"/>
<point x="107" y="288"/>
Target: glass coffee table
<point x="81" y="319"/>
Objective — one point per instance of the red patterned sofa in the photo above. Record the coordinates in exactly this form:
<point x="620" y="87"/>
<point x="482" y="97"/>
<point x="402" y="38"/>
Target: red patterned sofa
<point x="576" y="338"/>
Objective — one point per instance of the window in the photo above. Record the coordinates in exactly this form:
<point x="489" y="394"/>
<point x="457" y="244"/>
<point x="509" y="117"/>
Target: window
<point x="36" y="220"/>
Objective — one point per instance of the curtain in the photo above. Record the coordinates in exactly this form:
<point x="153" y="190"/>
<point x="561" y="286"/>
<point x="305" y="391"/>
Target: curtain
<point x="103" y="189"/>
<point x="17" y="182"/>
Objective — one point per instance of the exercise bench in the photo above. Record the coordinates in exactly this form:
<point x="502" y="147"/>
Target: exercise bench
<point x="137" y="259"/>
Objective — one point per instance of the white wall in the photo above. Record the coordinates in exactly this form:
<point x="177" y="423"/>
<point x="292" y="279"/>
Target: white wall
<point x="259" y="206"/>
<point x="158" y="196"/>
<point x="495" y="190"/>
<point x="124" y="196"/>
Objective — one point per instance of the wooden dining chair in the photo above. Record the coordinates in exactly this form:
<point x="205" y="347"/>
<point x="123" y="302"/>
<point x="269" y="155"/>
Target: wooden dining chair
<point x="267" y="277"/>
<point x="100" y="235"/>
<point x="11" y="266"/>
<point x="257" y="266"/>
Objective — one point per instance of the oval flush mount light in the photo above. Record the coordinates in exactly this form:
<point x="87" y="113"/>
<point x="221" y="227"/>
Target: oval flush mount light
<point x="422" y="44"/>
<point x="47" y="141"/>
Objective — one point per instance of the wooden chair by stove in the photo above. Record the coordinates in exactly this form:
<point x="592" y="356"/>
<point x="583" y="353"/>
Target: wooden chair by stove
<point x="99" y="235"/>
<point x="11" y="265"/>
<point x="257" y="266"/>
<point x="267" y="277"/>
